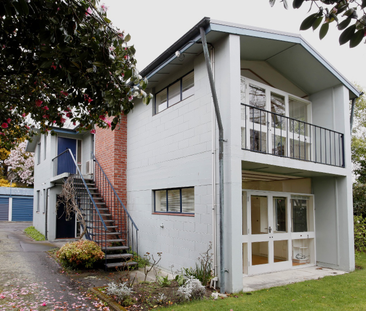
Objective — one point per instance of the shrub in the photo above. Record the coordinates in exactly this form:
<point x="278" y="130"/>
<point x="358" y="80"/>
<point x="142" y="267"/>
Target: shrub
<point x="80" y="254"/>
<point x="203" y="270"/>
<point x="121" y="292"/>
<point x="192" y="289"/>
<point x="34" y="234"/>
<point x="360" y="233"/>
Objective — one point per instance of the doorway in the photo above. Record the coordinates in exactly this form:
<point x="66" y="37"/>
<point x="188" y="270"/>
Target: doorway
<point x="65" y="227"/>
<point x="278" y="231"/>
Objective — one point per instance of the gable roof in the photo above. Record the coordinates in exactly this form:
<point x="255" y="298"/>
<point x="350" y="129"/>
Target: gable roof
<point x="289" y="54"/>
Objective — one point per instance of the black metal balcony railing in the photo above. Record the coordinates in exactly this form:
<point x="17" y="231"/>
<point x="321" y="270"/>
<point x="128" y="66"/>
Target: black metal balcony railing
<point x="271" y="133"/>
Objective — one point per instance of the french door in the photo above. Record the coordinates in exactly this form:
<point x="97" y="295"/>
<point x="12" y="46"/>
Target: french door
<point x="277" y="232"/>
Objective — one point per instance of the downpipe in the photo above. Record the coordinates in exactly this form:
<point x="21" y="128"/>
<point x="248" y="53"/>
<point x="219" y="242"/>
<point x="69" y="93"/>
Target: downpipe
<point x="221" y="163"/>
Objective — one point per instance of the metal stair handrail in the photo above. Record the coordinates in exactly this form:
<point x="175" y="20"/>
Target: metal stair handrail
<point x="85" y="185"/>
<point x="121" y="203"/>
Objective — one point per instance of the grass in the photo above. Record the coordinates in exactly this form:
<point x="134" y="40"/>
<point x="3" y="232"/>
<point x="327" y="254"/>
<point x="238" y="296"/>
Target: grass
<point x="34" y="234"/>
<point x="343" y="292"/>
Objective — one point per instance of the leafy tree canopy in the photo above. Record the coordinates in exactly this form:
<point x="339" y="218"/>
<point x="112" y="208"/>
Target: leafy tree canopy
<point x="62" y="61"/>
<point x="348" y="15"/>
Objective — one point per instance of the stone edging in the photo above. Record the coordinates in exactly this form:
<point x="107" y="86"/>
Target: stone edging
<point x="111" y="303"/>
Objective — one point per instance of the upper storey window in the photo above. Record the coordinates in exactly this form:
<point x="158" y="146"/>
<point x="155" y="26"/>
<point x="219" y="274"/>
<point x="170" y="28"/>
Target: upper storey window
<point x="175" y="92"/>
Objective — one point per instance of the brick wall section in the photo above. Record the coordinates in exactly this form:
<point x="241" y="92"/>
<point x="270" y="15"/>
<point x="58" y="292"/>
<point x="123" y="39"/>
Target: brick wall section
<point x="111" y="153"/>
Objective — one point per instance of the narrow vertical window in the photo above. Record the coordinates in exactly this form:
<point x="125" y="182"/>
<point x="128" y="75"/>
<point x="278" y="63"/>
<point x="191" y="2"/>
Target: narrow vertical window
<point x="38" y="153"/>
<point x="45" y="147"/>
<point x="38" y="198"/>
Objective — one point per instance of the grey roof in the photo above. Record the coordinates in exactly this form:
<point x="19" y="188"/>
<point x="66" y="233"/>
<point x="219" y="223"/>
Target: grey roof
<point x="289" y="54"/>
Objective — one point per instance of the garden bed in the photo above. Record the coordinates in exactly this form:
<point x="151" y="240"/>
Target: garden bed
<point x="151" y="295"/>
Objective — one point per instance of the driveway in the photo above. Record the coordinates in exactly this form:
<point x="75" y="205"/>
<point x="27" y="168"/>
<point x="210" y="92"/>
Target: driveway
<point x="31" y="280"/>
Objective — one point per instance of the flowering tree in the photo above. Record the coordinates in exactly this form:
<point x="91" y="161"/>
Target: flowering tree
<point x="21" y="164"/>
<point x="62" y="60"/>
<point x="348" y="15"/>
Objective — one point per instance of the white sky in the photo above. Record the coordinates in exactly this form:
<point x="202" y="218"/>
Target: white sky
<point x="155" y="25"/>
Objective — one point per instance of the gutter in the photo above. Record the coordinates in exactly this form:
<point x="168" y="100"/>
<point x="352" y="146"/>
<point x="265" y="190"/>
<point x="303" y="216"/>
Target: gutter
<point x="353" y="111"/>
<point x="221" y="156"/>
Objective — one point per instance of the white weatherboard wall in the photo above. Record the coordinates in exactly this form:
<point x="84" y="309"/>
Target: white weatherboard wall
<point x="168" y="150"/>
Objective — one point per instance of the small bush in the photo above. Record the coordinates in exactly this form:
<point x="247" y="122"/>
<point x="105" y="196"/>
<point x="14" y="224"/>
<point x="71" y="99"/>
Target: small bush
<point x="34" y="234"/>
<point x="203" y="269"/>
<point x="121" y="293"/>
<point x="360" y="233"/>
<point x="192" y="289"/>
<point x="80" y="254"/>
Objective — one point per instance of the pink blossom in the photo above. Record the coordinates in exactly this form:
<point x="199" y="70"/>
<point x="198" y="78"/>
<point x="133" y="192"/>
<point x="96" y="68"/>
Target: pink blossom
<point x="54" y="121"/>
<point x="108" y="123"/>
<point x="121" y="35"/>
<point x="2" y="296"/>
<point x="27" y="127"/>
<point x="46" y="108"/>
<point x="130" y="98"/>
<point x="58" y="9"/>
<point x="104" y="8"/>
<point x="44" y="304"/>
<point x="8" y="120"/>
<point x="88" y="11"/>
<point x="112" y="48"/>
<point x="92" y="131"/>
<point x="69" y="115"/>
<point x="89" y="100"/>
<point x="4" y="125"/>
<point x="64" y="93"/>
<point x="39" y="102"/>
<point x="102" y="117"/>
<point x="23" y="115"/>
<point x="63" y="120"/>
<point x="45" y="116"/>
<point x="53" y="66"/>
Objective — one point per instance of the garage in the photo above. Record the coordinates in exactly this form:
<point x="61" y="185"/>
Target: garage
<point x="16" y="204"/>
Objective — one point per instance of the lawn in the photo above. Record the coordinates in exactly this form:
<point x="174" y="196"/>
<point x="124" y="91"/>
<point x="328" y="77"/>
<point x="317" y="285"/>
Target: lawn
<point x="343" y="292"/>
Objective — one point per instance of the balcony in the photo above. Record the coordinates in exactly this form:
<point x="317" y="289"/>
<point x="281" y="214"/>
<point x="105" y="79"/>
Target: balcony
<point x="272" y="133"/>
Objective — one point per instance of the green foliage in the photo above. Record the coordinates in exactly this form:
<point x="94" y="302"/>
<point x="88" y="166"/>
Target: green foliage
<point x="80" y="254"/>
<point x="359" y="199"/>
<point x="342" y="12"/>
<point x="360" y="233"/>
<point x="203" y="268"/>
<point x="180" y="279"/>
<point x="164" y="281"/>
<point x="342" y="292"/>
<point x="141" y="261"/>
<point x="34" y="234"/>
<point x="62" y="60"/>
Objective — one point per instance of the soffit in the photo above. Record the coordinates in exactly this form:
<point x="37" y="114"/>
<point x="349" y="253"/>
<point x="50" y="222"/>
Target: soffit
<point x="263" y="172"/>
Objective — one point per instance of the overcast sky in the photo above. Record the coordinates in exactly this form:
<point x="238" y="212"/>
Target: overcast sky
<point x="155" y="25"/>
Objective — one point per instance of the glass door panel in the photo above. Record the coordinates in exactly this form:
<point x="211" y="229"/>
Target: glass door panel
<point x="279" y="214"/>
<point x="280" y="251"/>
<point x="260" y="252"/>
<point x="302" y="214"/>
<point x="259" y="215"/>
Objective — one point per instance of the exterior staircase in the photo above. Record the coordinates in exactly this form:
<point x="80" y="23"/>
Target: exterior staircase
<point x="102" y="227"/>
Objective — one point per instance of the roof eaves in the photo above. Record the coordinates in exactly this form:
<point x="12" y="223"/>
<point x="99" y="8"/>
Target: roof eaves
<point x="182" y="44"/>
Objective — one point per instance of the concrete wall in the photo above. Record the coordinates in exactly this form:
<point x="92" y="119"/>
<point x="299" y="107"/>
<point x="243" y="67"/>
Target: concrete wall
<point x="167" y="150"/>
<point x="333" y="196"/>
<point x="43" y="173"/>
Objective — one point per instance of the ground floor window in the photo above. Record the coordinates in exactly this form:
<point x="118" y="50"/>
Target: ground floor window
<point x="176" y="200"/>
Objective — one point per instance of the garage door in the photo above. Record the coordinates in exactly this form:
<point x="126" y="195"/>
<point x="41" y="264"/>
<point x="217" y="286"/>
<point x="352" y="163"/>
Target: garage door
<point x="22" y="209"/>
<point x="4" y="209"/>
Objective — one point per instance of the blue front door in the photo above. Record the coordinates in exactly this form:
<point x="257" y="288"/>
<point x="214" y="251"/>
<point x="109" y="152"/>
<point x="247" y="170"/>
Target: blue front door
<point x="65" y="163"/>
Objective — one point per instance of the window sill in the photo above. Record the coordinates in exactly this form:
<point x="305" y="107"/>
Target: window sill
<point x="173" y="214"/>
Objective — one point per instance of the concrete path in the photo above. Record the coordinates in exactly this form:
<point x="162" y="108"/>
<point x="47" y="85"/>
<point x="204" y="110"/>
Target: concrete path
<point x="31" y="280"/>
<point x="256" y="282"/>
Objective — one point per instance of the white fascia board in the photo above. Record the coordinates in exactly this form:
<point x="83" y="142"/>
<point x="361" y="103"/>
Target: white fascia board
<point x="285" y="37"/>
<point x="182" y="50"/>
